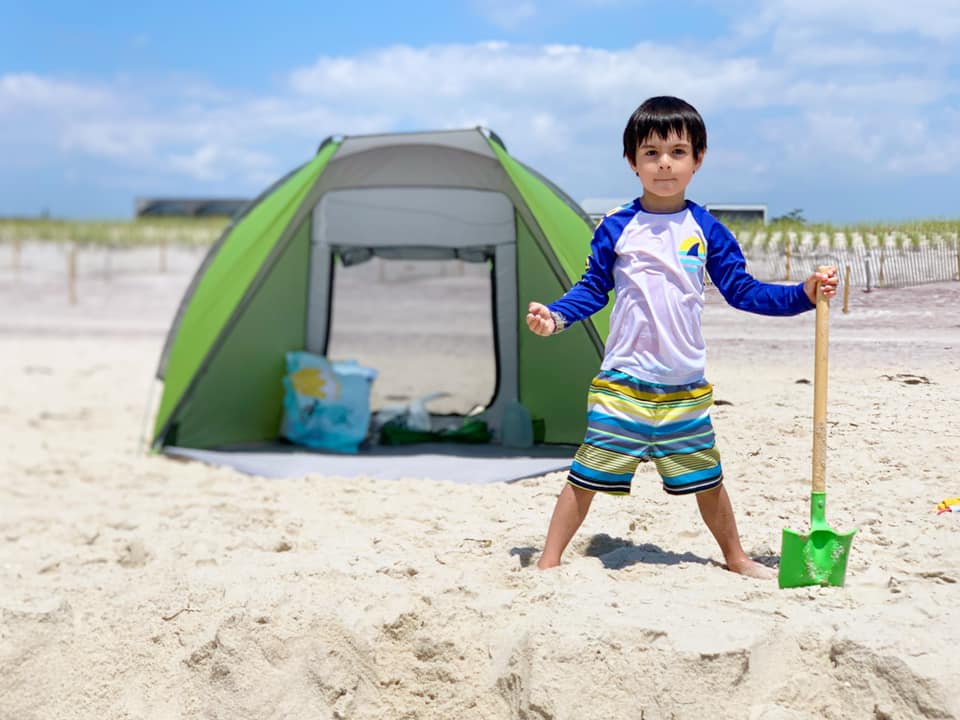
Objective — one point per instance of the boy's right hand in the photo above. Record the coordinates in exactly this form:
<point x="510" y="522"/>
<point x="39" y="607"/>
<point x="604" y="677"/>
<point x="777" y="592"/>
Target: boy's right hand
<point x="539" y="319"/>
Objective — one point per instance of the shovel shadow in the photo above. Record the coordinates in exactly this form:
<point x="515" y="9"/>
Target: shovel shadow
<point x="771" y="561"/>
<point x="618" y="553"/>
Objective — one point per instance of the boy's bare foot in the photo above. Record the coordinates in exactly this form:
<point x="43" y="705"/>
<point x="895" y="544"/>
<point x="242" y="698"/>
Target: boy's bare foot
<point x="546" y="564"/>
<point x="751" y="568"/>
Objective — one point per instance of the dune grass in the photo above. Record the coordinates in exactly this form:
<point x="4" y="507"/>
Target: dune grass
<point x="204" y="231"/>
<point x="909" y="234"/>
<point x="115" y="233"/>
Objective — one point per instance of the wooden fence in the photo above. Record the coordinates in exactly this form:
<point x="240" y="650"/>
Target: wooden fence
<point x="889" y="261"/>
<point x="882" y="260"/>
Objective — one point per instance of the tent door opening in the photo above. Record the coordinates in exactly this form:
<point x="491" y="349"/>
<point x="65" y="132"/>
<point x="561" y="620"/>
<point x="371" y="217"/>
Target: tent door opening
<point x="419" y="284"/>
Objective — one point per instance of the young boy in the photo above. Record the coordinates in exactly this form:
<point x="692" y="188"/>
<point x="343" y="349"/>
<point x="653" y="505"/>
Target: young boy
<point x="650" y="399"/>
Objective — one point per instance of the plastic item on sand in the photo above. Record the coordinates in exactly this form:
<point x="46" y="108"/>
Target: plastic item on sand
<point x="949" y="505"/>
<point x="820" y="556"/>
<point x="516" y="429"/>
<point x="411" y="423"/>
<point x="471" y="431"/>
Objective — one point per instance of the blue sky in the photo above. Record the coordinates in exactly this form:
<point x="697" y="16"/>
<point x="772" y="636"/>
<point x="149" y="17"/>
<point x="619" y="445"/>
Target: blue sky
<point x="846" y="109"/>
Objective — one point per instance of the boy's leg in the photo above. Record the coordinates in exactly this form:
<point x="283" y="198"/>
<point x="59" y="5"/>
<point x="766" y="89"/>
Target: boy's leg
<point x="717" y="513"/>
<point x="598" y="463"/>
<point x="568" y="514"/>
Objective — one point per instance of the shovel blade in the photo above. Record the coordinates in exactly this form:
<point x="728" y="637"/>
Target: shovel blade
<point x="817" y="558"/>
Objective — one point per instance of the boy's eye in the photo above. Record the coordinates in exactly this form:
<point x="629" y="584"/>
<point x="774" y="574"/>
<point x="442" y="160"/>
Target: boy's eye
<point x="679" y="152"/>
<point x="650" y="153"/>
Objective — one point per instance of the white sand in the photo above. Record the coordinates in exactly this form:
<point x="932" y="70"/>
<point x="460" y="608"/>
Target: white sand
<point x="134" y="586"/>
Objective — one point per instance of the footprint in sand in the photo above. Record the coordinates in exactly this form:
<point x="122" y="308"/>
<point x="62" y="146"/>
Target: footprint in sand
<point x="134" y="555"/>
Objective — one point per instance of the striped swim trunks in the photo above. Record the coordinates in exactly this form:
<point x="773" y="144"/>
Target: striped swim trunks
<point x="630" y="421"/>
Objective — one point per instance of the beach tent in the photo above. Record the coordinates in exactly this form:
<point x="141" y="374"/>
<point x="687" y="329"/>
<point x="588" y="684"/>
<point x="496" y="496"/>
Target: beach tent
<point x="265" y="286"/>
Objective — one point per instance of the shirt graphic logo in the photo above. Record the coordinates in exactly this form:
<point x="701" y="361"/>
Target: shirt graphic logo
<point x="693" y="253"/>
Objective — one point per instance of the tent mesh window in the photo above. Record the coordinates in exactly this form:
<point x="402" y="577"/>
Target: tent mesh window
<point x="426" y="326"/>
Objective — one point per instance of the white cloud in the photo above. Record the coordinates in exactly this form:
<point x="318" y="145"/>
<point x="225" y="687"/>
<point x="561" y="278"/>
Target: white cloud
<point x="886" y="95"/>
<point x="938" y="19"/>
<point x="210" y="161"/>
<point x="439" y="78"/>
<point x="935" y="19"/>
<point x="581" y="91"/>
<point x="108" y="139"/>
<point x="22" y="92"/>
<point x="869" y="106"/>
<point x="506" y="14"/>
<point x="179" y="130"/>
<point x="511" y="15"/>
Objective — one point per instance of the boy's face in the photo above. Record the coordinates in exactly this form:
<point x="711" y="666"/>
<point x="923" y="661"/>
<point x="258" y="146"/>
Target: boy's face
<point x="665" y="168"/>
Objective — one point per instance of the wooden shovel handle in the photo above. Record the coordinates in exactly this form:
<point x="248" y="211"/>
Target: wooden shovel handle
<point x="820" y="390"/>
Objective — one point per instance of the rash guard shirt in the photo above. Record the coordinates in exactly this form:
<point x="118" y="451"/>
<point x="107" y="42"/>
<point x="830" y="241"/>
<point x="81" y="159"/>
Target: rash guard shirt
<point x="654" y="263"/>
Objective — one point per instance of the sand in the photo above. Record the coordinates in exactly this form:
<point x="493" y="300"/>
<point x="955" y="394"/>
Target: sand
<point x="136" y="586"/>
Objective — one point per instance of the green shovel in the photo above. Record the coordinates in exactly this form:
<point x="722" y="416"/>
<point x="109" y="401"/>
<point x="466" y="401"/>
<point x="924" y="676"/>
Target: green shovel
<point x="820" y="557"/>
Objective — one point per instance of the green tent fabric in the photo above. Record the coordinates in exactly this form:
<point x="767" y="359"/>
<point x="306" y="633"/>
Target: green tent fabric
<point x="265" y="287"/>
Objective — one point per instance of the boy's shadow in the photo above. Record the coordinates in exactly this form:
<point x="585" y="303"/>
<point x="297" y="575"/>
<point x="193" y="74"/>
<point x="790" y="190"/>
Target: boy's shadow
<point x="525" y="554"/>
<point x="617" y="553"/>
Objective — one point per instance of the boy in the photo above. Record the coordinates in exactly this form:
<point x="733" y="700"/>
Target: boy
<point x="650" y="398"/>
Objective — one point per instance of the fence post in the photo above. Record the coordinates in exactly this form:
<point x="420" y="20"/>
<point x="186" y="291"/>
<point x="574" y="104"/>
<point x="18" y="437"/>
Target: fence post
<point x="163" y="254"/>
<point x="866" y="267"/>
<point x="956" y="240"/>
<point x="846" y="289"/>
<point x="787" y="277"/>
<point x="72" y="275"/>
<point x="880" y="281"/>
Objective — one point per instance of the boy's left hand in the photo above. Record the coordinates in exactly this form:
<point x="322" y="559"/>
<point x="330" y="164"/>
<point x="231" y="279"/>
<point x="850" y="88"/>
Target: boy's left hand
<point x="825" y="276"/>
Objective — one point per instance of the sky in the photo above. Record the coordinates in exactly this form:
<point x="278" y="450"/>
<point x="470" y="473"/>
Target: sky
<point x="847" y="110"/>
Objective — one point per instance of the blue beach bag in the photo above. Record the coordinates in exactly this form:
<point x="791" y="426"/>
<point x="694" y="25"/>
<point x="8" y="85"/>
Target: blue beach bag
<point x="326" y="405"/>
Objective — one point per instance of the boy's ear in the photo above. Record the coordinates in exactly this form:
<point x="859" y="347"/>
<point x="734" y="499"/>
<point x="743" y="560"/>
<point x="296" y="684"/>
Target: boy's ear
<point x="700" y="160"/>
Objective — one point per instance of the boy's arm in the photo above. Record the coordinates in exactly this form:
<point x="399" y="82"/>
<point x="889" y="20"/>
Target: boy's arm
<point x="727" y="268"/>
<point x="592" y="291"/>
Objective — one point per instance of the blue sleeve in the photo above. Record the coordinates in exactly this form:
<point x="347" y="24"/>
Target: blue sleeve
<point x="727" y="268"/>
<point x="592" y="291"/>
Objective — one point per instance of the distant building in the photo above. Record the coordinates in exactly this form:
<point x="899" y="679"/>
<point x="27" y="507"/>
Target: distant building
<point x="738" y="214"/>
<point x="189" y="207"/>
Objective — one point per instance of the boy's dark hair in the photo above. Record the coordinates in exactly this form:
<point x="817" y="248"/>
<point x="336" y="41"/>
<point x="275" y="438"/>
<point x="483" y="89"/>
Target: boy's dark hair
<point x="660" y="116"/>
